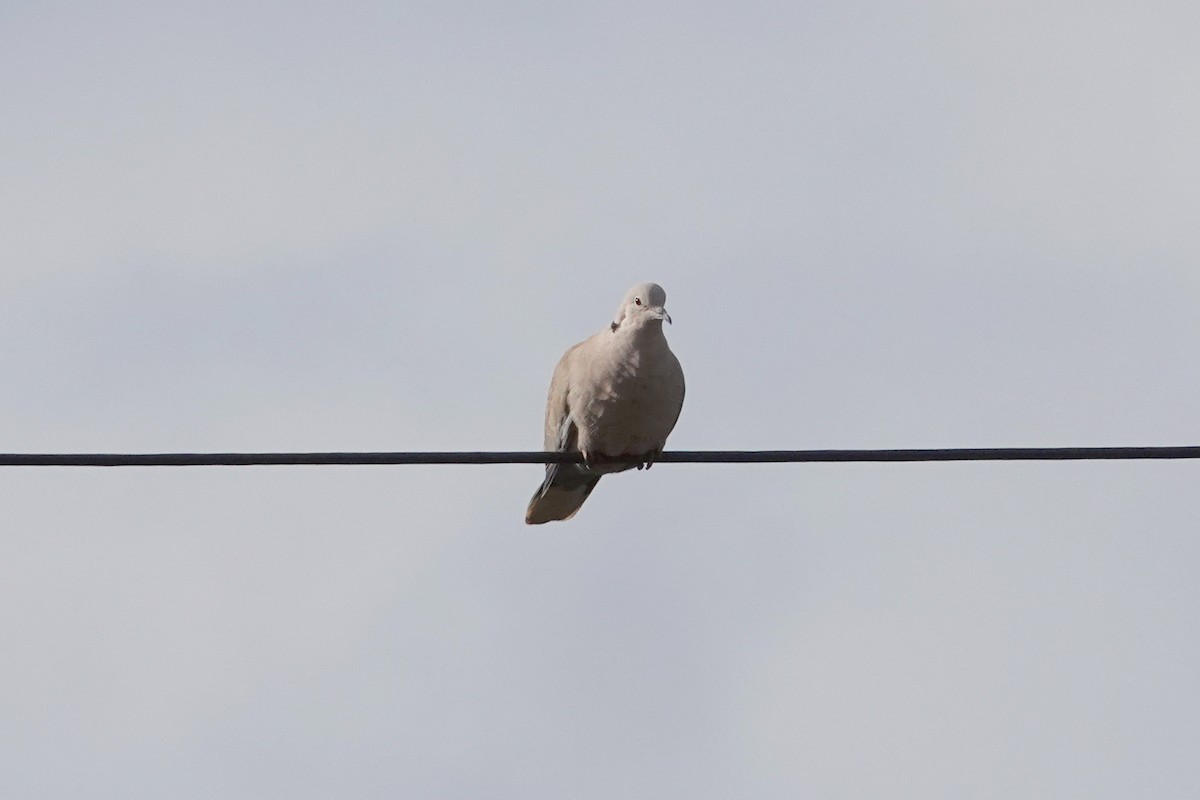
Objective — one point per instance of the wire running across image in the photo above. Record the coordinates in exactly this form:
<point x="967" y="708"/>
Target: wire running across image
<point x="539" y="457"/>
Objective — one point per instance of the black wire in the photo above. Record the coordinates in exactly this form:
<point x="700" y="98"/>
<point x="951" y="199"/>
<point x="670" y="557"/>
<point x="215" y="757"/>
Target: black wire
<point x="677" y="457"/>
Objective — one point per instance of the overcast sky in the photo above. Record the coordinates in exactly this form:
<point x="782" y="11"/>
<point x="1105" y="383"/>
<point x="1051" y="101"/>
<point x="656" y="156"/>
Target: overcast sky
<point x="354" y="226"/>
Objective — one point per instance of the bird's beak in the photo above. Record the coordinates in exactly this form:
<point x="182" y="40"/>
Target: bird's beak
<point x="661" y="313"/>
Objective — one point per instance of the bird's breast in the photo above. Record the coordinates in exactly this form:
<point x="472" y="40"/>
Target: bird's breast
<point x="631" y="407"/>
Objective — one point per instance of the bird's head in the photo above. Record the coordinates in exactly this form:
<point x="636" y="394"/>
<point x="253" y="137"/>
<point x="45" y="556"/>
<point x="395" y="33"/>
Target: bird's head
<point x="643" y="304"/>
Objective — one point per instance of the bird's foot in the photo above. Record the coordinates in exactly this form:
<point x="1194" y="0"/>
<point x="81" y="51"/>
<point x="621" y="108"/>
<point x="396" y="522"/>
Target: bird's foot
<point x="648" y="459"/>
<point x="593" y="459"/>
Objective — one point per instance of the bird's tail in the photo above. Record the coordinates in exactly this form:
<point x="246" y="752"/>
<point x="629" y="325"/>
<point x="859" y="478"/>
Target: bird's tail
<point x="561" y="494"/>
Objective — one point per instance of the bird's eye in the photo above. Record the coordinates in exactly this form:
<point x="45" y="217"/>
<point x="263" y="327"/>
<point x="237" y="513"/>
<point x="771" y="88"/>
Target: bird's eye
<point x="637" y="301"/>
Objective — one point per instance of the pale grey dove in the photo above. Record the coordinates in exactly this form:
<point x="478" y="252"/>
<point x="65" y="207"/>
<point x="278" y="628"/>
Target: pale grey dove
<point x="615" y="396"/>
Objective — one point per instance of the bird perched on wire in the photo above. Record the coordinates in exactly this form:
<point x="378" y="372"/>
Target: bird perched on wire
<point x="614" y="398"/>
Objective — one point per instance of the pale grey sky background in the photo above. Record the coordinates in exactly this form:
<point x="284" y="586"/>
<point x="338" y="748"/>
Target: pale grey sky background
<point x="281" y="226"/>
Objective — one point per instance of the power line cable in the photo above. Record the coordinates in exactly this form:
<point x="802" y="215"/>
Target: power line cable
<point x="537" y="457"/>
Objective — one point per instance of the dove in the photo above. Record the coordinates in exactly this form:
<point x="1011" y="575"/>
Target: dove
<point x="614" y="397"/>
